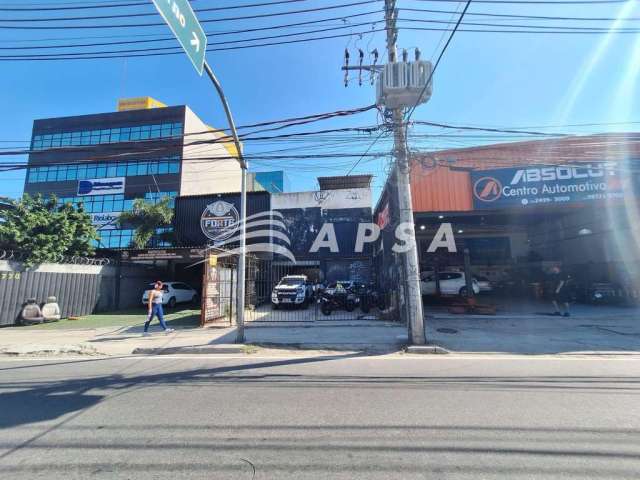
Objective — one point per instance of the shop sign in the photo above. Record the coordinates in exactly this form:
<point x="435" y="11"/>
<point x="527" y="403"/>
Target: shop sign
<point x="164" y="254"/>
<point x="532" y="186"/>
<point x="220" y="220"/>
<point x="101" y="186"/>
<point x="105" y="221"/>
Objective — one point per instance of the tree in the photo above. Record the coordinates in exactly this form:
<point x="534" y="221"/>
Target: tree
<point x="146" y="218"/>
<point x="44" y="231"/>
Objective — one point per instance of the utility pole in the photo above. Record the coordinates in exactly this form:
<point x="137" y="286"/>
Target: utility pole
<point x="412" y="296"/>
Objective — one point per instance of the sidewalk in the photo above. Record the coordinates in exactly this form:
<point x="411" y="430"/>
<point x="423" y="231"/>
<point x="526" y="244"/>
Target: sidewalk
<point x="510" y="334"/>
<point x="536" y="334"/>
<point x="119" y="341"/>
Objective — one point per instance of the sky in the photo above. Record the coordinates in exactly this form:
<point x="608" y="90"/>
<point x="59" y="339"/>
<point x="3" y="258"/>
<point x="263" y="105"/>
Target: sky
<point x="484" y="79"/>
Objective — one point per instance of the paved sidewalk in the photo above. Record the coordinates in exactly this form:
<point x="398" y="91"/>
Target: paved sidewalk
<point x="118" y="341"/>
<point x="535" y="334"/>
<point x="519" y="334"/>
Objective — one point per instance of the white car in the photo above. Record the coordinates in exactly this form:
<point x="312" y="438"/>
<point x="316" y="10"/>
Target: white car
<point x="451" y="283"/>
<point x="173" y="293"/>
<point x="483" y="283"/>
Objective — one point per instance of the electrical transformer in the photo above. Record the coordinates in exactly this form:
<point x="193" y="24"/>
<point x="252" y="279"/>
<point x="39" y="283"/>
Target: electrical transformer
<point x="402" y="84"/>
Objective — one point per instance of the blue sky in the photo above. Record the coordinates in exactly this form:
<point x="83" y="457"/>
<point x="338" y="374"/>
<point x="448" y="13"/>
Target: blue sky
<point x="484" y="79"/>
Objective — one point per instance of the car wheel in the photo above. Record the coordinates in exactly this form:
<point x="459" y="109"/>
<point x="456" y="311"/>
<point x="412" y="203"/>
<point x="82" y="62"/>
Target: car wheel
<point x="350" y="306"/>
<point x="326" y="309"/>
<point x="274" y="306"/>
<point x="463" y="292"/>
<point x="194" y="299"/>
<point x="172" y="302"/>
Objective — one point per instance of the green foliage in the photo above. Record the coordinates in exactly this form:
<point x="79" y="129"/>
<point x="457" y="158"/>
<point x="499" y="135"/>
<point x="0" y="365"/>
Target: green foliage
<point x="44" y="231"/>
<point x="145" y="218"/>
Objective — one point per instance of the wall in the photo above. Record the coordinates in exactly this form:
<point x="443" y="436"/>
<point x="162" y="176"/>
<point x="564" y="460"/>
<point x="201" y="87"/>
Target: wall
<point x="76" y="287"/>
<point x="202" y="174"/>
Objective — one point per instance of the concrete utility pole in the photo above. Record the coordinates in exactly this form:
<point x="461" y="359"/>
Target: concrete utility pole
<point x="412" y="296"/>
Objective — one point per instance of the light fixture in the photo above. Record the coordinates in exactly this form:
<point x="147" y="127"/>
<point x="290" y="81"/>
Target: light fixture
<point x="440" y="217"/>
<point x="460" y="231"/>
<point x="584" y="231"/>
<point x="422" y="227"/>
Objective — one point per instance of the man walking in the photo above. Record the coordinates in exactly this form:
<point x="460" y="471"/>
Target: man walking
<point x="155" y="309"/>
<point x="560" y="296"/>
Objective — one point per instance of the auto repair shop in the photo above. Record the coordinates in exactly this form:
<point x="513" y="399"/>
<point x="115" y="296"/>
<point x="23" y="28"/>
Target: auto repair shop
<point x="520" y="208"/>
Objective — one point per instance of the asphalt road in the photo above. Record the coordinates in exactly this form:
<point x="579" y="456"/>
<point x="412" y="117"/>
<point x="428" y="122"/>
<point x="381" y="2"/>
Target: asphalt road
<point x="343" y="417"/>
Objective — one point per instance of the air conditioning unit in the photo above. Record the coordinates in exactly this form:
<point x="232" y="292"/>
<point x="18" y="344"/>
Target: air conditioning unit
<point x="401" y="84"/>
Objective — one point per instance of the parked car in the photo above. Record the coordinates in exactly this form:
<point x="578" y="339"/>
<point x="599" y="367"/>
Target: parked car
<point x="451" y="283"/>
<point x="173" y="293"/>
<point x="484" y="283"/>
<point x="292" y="290"/>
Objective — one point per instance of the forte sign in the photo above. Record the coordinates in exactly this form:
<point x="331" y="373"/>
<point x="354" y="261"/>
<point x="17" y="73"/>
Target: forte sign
<point x="507" y="187"/>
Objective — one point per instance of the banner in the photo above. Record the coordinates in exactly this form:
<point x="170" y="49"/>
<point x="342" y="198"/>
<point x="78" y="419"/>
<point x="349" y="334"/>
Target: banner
<point x="101" y="186"/>
<point x="511" y="187"/>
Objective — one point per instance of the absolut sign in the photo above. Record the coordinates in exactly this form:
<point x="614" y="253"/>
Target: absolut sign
<point x="544" y="185"/>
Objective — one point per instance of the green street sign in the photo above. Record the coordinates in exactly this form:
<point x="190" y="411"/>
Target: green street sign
<point x="184" y="24"/>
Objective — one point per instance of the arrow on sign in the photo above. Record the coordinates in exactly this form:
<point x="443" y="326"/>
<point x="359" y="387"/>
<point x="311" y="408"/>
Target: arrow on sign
<point x="195" y="41"/>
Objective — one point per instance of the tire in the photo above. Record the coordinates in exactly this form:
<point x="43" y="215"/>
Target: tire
<point x="194" y="300"/>
<point x="172" y="302"/>
<point x="350" y="306"/>
<point x="365" y="307"/>
<point x="463" y="292"/>
<point x="274" y="306"/>
<point x="326" y="309"/>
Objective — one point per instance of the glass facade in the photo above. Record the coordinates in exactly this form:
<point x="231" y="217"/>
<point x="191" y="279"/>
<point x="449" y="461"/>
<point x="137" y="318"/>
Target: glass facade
<point x="84" y="171"/>
<point x="118" y="238"/>
<point x="108" y="135"/>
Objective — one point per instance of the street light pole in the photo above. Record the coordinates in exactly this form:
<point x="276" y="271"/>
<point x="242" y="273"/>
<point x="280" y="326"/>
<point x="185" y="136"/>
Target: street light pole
<point x="243" y="208"/>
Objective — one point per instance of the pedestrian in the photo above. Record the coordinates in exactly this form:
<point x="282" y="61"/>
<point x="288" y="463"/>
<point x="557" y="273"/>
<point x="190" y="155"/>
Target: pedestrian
<point x="560" y="296"/>
<point x="155" y="309"/>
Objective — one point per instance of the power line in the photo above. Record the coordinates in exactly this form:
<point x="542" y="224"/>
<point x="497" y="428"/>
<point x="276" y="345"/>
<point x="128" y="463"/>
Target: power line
<point x="227" y="42"/>
<point x="435" y="66"/>
<point x="204" y="21"/>
<point x="171" y="38"/>
<point x="105" y="4"/>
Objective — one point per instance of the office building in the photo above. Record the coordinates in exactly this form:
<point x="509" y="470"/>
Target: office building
<point x="145" y="150"/>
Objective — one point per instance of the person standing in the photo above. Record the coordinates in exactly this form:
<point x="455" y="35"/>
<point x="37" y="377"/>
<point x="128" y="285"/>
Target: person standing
<point x="155" y="309"/>
<point x="560" y="296"/>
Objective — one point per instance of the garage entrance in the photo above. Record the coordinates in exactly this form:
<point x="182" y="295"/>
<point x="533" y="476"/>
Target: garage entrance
<point x="282" y="292"/>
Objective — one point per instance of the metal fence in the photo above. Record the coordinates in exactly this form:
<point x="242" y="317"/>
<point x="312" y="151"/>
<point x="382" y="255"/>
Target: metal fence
<point x="266" y="303"/>
<point x="76" y="286"/>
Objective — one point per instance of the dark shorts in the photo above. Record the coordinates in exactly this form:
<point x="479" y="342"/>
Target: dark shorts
<point x="561" y="297"/>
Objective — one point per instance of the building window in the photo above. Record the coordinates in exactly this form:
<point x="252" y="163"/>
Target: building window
<point x="107" y="135"/>
<point x="57" y="173"/>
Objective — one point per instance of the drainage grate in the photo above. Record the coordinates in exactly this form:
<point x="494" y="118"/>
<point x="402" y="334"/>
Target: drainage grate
<point x="446" y="330"/>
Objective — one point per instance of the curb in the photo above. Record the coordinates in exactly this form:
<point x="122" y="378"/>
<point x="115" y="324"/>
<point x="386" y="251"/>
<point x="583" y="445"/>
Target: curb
<point x="204" y="350"/>
<point x="345" y="347"/>
<point x="426" y="350"/>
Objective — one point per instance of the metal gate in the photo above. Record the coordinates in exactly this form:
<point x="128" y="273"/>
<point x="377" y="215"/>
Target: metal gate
<point x="268" y="297"/>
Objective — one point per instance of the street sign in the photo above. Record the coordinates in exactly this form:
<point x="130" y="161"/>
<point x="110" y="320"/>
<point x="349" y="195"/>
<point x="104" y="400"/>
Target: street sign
<point x="185" y="26"/>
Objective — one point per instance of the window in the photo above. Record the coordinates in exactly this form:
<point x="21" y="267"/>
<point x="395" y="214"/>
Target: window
<point x="106" y="135"/>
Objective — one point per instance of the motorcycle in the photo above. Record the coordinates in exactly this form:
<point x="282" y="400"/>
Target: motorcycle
<point x="337" y="298"/>
<point x="369" y="297"/>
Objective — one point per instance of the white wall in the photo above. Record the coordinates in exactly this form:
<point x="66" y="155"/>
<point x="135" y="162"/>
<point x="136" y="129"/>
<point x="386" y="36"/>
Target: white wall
<point x="327" y="199"/>
<point x="199" y="175"/>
